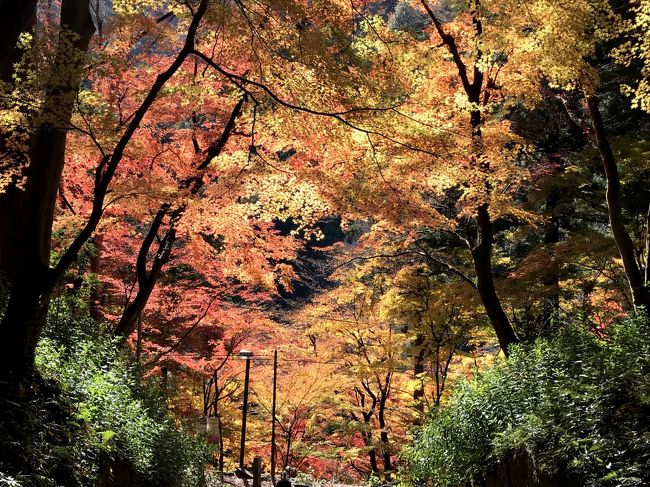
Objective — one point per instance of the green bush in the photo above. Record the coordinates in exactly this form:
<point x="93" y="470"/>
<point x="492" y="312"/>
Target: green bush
<point x="86" y="409"/>
<point x="41" y="443"/>
<point x="121" y="418"/>
<point x="580" y="405"/>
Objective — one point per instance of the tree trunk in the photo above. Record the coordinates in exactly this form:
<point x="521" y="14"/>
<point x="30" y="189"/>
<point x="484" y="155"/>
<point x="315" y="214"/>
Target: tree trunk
<point x="383" y="436"/>
<point x="16" y="17"/>
<point x="372" y="456"/>
<point x="622" y="238"/>
<point x="418" y="371"/>
<point x="25" y="252"/>
<point x="147" y="279"/>
<point x="482" y="256"/>
<point x="367" y="440"/>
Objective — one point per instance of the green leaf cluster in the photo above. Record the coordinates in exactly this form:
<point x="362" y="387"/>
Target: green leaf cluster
<point x="118" y="415"/>
<point x="578" y="404"/>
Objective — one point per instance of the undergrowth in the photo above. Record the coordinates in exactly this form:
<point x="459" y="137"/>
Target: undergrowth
<point x="86" y="410"/>
<point x="580" y="405"/>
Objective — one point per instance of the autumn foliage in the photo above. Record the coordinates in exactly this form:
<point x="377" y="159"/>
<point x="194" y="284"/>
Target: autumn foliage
<point x="389" y="194"/>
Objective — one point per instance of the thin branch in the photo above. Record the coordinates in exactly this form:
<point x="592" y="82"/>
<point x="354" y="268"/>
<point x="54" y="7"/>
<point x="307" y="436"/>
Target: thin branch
<point x="240" y="81"/>
<point x="183" y="337"/>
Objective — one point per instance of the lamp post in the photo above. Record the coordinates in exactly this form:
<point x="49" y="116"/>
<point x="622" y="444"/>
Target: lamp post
<point x="246" y="355"/>
<point x="275" y="384"/>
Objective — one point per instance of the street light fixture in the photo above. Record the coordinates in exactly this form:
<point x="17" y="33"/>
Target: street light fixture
<point x="241" y="471"/>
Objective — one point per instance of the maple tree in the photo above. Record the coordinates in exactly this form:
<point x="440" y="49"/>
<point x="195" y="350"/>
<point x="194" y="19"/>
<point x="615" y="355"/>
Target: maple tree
<point x="380" y="191"/>
<point x="440" y="324"/>
<point x="468" y="174"/>
<point x="96" y="131"/>
<point x="302" y="413"/>
<point x="368" y="350"/>
<point x="415" y="169"/>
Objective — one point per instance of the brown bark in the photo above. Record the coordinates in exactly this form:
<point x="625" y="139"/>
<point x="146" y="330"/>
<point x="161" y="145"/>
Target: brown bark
<point x="147" y="278"/>
<point x="16" y="17"/>
<point x="482" y="251"/>
<point x="633" y="272"/>
<point x="25" y="252"/>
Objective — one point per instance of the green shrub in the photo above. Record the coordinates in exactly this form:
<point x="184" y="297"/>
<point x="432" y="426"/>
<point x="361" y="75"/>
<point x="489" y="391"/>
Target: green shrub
<point x="121" y="417"/>
<point x="578" y="404"/>
<point x="41" y="443"/>
<point x="86" y="407"/>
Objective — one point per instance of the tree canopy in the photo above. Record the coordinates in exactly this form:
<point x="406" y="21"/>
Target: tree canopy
<point x="395" y="196"/>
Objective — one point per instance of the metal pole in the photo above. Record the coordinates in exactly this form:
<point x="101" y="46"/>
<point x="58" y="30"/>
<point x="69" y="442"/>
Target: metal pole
<point x="216" y="414"/>
<point x="220" y="447"/>
<point x="243" y="421"/>
<point x="216" y="393"/>
<point x="275" y="383"/>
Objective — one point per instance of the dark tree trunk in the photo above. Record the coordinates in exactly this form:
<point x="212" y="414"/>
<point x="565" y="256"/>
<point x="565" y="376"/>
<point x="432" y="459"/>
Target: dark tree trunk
<point x="482" y="256"/>
<point x="418" y="370"/>
<point x="16" y="17"/>
<point x="621" y="236"/>
<point x="147" y="278"/>
<point x="25" y="252"/>
<point x="366" y="433"/>
<point x="372" y="456"/>
<point x="367" y="440"/>
<point x="383" y="436"/>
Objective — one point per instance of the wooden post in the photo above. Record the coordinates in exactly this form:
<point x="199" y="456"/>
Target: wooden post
<point x="275" y="383"/>
<point x="257" y="472"/>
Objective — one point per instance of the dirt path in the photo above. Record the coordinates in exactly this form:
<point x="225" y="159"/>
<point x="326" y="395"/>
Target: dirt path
<point x="231" y="480"/>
